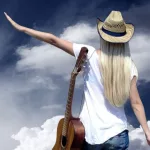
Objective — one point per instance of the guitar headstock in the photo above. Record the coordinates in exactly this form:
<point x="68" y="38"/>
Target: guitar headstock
<point x="80" y="60"/>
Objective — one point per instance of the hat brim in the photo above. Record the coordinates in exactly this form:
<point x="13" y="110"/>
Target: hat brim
<point x="114" y="39"/>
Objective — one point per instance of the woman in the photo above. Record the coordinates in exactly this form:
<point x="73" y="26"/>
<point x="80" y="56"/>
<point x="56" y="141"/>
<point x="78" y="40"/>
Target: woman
<point x="110" y="78"/>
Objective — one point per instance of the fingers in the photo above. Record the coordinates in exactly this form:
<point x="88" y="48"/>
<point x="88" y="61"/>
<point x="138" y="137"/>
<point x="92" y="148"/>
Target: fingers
<point x="6" y="14"/>
<point x="9" y="19"/>
<point x="13" y="23"/>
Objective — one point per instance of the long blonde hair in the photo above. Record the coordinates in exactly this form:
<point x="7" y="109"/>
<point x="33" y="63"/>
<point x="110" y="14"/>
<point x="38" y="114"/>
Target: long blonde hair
<point x="115" y="66"/>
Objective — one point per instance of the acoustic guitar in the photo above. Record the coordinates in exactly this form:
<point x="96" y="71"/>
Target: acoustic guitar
<point x="70" y="130"/>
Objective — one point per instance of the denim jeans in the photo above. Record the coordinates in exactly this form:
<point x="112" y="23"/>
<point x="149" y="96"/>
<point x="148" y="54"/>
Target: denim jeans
<point x="118" y="142"/>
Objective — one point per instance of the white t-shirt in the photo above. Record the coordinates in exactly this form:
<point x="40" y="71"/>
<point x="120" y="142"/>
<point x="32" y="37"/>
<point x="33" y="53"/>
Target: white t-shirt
<point x="100" y="119"/>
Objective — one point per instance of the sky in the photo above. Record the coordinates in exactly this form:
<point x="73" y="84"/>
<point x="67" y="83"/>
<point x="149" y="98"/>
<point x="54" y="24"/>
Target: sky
<point x="34" y="75"/>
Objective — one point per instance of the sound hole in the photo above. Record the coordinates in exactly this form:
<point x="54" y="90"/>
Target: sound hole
<point x="64" y="141"/>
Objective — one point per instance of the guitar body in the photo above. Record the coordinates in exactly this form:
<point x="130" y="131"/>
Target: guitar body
<point x="75" y="135"/>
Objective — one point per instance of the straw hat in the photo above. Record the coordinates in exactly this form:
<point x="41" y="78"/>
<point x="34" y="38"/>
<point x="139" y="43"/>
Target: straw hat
<point x="114" y="29"/>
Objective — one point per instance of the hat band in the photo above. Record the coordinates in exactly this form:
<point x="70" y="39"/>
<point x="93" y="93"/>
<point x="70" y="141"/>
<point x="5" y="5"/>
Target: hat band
<point x="113" y="33"/>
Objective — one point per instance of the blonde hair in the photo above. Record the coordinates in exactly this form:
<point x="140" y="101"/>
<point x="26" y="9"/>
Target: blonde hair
<point x="115" y="67"/>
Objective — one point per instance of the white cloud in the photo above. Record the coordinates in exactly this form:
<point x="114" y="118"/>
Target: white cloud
<point x="44" y="82"/>
<point x="80" y="33"/>
<point x="38" y="138"/>
<point x="16" y="102"/>
<point x="44" y="138"/>
<point x="51" y="107"/>
<point x="44" y="57"/>
<point x="138" y="140"/>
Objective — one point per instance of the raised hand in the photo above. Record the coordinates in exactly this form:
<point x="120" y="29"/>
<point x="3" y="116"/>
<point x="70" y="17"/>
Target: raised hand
<point x="13" y="23"/>
<point x="43" y="36"/>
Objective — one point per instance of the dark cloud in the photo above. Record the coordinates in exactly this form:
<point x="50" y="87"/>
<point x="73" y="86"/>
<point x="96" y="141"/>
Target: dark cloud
<point x="139" y="16"/>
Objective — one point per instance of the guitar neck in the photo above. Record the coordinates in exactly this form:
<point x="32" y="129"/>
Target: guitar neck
<point x="68" y="112"/>
<point x="78" y="66"/>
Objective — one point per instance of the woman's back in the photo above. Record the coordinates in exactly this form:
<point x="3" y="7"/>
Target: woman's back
<point x="100" y="118"/>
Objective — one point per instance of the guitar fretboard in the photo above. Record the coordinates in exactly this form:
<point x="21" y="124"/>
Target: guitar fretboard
<point x="69" y="105"/>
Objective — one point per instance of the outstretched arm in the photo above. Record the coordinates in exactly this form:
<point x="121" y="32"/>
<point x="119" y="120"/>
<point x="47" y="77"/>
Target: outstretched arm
<point x="46" y="37"/>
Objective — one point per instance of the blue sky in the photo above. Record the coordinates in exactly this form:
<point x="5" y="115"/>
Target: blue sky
<point x="34" y="76"/>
